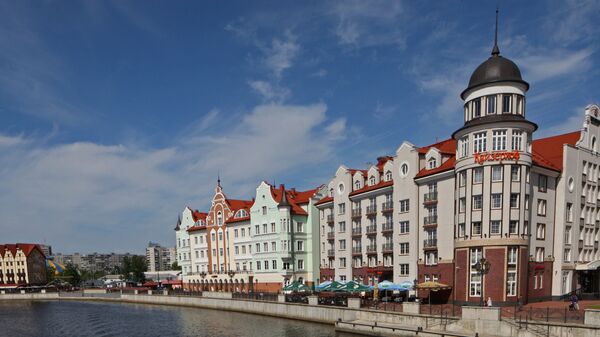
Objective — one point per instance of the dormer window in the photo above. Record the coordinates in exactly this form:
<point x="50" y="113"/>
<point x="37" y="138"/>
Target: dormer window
<point x="372" y="181"/>
<point x="357" y="185"/>
<point x="241" y="214"/>
<point x="388" y="176"/>
<point x="431" y="163"/>
<point x="491" y="104"/>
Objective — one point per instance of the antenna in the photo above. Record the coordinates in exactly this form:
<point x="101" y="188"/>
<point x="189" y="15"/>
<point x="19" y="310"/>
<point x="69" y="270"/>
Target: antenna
<point x="496" y="50"/>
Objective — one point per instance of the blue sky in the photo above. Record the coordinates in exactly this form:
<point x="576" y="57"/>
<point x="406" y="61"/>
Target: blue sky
<point x="117" y="114"/>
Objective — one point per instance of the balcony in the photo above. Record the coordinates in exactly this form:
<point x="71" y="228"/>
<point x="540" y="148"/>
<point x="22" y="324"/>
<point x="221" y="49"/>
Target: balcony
<point x="430" y="244"/>
<point x="430" y="220"/>
<point x="357" y="250"/>
<point x="331" y="252"/>
<point x="372" y="249"/>
<point x="431" y="197"/>
<point x="371" y="210"/>
<point x="356" y="213"/>
<point x="372" y="229"/>
<point x="387" y="227"/>
<point x="387" y="248"/>
<point x="357" y="231"/>
<point x="330" y="218"/>
<point x="330" y="235"/>
<point x="387" y="207"/>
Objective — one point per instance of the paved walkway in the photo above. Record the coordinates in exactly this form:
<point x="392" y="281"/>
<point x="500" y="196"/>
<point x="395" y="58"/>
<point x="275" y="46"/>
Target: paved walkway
<point x="584" y="304"/>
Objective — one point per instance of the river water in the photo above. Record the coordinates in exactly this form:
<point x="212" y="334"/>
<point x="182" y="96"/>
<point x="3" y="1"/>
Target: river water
<point x="79" y="318"/>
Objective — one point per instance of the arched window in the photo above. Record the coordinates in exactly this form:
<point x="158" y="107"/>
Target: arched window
<point x="357" y="185"/>
<point x="331" y="192"/>
<point x="431" y="163"/>
<point x="372" y="181"/>
<point x="241" y="213"/>
<point x="388" y="176"/>
<point x="593" y="144"/>
<point x="219" y="219"/>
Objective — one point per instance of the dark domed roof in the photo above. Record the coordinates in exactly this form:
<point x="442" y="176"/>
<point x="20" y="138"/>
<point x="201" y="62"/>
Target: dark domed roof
<point x="495" y="69"/>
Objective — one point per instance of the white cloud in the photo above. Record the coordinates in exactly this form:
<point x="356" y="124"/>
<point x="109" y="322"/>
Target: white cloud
<point x="384" y="111"/>
<point x="81" y="194"/>
<point x="548" y="65"/>
<point x="281" y="54"/>
<point x="270" y="92"/>
<point x="319" y="73"/>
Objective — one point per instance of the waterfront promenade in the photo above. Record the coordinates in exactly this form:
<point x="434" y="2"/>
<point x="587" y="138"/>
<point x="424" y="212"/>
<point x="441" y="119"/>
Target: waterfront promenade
<point x="472" y="321"/>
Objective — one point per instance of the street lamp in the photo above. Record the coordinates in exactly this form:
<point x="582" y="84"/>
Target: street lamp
<point x="482" y="266"/>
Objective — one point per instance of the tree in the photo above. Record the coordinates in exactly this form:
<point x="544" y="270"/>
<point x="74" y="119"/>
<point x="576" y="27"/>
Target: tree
<point x="175" y="266"/>
<point x="71" y="275"/>
<point x="133" y="268"/>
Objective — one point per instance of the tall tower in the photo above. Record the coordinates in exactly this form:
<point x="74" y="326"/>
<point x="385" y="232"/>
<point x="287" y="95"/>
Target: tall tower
<point x="493" y="162"/>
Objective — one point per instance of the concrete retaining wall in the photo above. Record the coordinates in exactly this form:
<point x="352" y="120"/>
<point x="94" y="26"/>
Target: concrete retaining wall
<point x="592" y="317"/>
<point x="31" y="296"/>
<point x="214" y="294"/>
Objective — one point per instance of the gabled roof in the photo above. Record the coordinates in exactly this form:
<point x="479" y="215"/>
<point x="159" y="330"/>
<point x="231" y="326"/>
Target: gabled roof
<point x="548" y="152"/>
<point x="377" y="186"/>
<point x="324" y="200"/>
<point x="27" y="248"/>
<point x="294" y="198"/>
<point x="235" y="205"/>
<point x="447" y="146"/>
<point x="197" y="215"/>
<point x="447" y="165"/>
<point x="196" y="228"/>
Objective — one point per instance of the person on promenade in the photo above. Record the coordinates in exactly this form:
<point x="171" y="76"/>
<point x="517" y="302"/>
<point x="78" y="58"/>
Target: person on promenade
<point x="574" y="302"/>
<point x="489" y="302"/>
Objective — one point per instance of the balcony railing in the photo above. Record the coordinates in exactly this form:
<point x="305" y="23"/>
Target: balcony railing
<point x="372" y="229"/>
<point x="387" y="247"/>
<point x="387" y="206"/>
<point x="356" y="213"/>
<point x="371" y="210"/>
<point x="430" y="243"/>
<point x="330" y="235"/>
<point x="430" y="220"/>
<point x="431" y="197"/>
<point x="372" y="249"/>
<point x="357" y="250"/>
<point x="357" y="231"/>
<point x="330" y="218"/>
<point x="387" y="227"/>
<point x="331" y="252"/>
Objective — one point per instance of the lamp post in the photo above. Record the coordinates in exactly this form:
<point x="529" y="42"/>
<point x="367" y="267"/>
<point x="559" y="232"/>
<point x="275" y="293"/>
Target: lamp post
<point x="482" y="266"/>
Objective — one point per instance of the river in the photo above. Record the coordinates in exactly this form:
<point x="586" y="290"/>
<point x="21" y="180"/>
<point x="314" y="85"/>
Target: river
<point x="80" y="318"/>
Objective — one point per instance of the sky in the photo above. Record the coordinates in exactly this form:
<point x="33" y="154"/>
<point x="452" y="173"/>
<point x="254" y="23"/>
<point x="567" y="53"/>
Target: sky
<point x="115" y="115"/>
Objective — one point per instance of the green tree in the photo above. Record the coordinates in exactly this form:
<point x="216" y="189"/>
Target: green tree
<point x="71" y="275"/>
<point x="175" y="266"/>
<point x="49" y="274"/>
<point x="133" y="268"/>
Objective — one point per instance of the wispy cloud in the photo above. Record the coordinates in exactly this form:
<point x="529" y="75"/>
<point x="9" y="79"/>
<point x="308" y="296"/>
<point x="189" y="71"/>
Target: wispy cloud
<point x="270" y="92"/>
<point x="281" y="54"/>
<point x="553" y="64"/>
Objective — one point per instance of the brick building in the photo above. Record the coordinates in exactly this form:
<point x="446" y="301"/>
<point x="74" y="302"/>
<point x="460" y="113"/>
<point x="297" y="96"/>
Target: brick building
<point x="22" y="264"/>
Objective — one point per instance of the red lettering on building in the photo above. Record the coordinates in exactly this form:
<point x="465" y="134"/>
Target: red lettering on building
<point x="481" y="158"/>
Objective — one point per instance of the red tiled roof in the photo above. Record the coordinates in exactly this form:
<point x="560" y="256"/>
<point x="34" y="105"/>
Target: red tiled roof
<point x="233" y="219"/>
<point x="197" y="215"/>
<point x="363" y="172"/>
<point x="447" y="146"/>
<point x="324" y="200"/>
<point x="381" y="162"/>
<point x="294" y="198"/>
<point x="235" y="205"/>
<point x="548" y="152"/>
<point x="196" y="228"/>
<point x="27" y="248"/>
<point x="381" y="184"/>
<point x="447" y="165"/>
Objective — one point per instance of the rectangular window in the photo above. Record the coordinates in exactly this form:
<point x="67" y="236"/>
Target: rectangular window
<point x="495" y="227"/>
<point x="475" y="279"/>
<point x="496" y="200"/>
<point x="256" y="229"/>
<point x="404" y="227"/>
<point x="273" y="246"/>
<point x="257" y="248"/>
<point x="342" y="208"/>
<point x="265" y="247"/>
<point x="272" y="227"/>
<point x="567" y="255"/>
<point x="264" y="230"/>
<point x="462" y="178"/>
<point x="515" y="173"/>
<point x="342" y="244"/>
<point x="540" y="231"/>
<point x="497" y="173"/>
<point x="404" y="205"/>
<point x="274" y="262"/>
<point x="404" y="269"/>
<point x="514" y="200"/>
<point x="506" y="103"/>
<point x="462" y="204"/>
<point x="300" y="227"/>
<point x="476" y="228"/>
<point x="342" y="262"/>
<point x="512" y="255"/>
<point x="491" y="104"/>
<point x="539" y="254"/>
<point x="517" y="140"/>
<point x="477" y="202"/>
<point x="464" y="146"/>
<point x="342" y="226"/>
<point x="461" y="230"/>
<point x="300" y="245"/>
<point x="477" y="107"/>
<point x="542" y="183"/>
<point x="300" y="264"/>
<point x="541" y="209"/>
<point x="431" y="258"/>
<point x="404" y="248"/>
<point x="479" y="142"/>
<point x="499" y="140"/>
<point x="478" y="175"/>
<point x="513" y="226"/>
<point x="264" y="210"/>
<point x="511" y="282"/>
<point x="569" y="212"/>
<point x="266" y="265"/>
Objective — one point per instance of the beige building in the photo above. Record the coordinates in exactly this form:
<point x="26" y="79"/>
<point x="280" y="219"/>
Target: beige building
<point x="22" y="264"/>
<point x="160" y="258"/>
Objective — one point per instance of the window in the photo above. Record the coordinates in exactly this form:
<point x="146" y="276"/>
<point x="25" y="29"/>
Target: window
<point x="264" y="228"/>
<point x="567" y="255"/>
<point x="478" y="175"/>
<point x="497" y="173"/>
<point x="477" y="202"/>
<point x="257" y="265"/>
<point x="520" y="105"/>
<point x="526" y="201"/>
<point x="475" y="279"/>
<point x="257" y="229"/>
<point x="342" y="244"/>
<point x="514" y="200"/>
<point x="511" y="282"/>
<point x="499" y="140"/>
<point x="568" y="235"/>
<point x="541" y="209"/>
<point x="477" y="107"/>
<point x="462" y="204"/>
<point x="461" y="230"/>
<point x="214" y="252"/>
<point x="476" y="228"/>
<point x="491" y="104"/>
<point x="299" y="227"/>
<point x="300" y="245"/>
<point x="265" y="247"/>
<point x="431" y="258"/>
<point x="404" y="269"/>
<point x="300" y="264"/>
<point x="517" y="140"/>
<point x="462" y="178"/>
<point x="539" y="254"/>
<point x="235" y="234"/>
<point x="479" y="142"/>
<point x="357" y="185"/>
<point x="272" y="227"/>
<point x="264" y="210"/>
<point x="372" y="180"/>
<point x="515" y="173"/>
<point x="342" y="262"/>
<point x="506" y="104"/>
<point x="494" y="227"/>
<point x="341" y="208"/>
<point x="513" y="226"/>
<point x="404" y="169"/>
<point x="237" y="250"/>
<point x="273" y="246"/>
<point x="497" y="200"/>
<point x="388" y="176"/>
<point x="431" y="163"/>
<point x="404" y="205"/>
<point x="258" y="248"/>
<point x="540" y="232"/>
<point x="342" y="226"/>
<point x="404" y="248"/>
<point x="404" y="228"/>
<point x="464" y="146"/>
<point x="569" y="212"/>
<point x="542" y="183"/>
<point x="266" y="265"/>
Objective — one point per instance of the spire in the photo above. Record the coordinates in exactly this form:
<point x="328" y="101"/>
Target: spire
<point x="496" y="50"/>
<point x="219" y="179"/>
<point x="178" y="225"/>
<point x="284" y="201"/>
